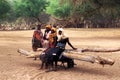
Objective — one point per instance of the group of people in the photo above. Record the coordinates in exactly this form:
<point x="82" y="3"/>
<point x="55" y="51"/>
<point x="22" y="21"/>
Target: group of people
<point x="52" y="37"/>
<point x="53" y="40"/>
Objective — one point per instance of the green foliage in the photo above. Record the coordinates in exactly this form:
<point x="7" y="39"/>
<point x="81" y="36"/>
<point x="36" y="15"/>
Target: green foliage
<point x="29" y="8"/>
<point x="62" y="9"/>
<point x="106" y="8"/>
<point x="59" y="10"/>
<point x="85" y="8"/>
<point x="4" y="8"/>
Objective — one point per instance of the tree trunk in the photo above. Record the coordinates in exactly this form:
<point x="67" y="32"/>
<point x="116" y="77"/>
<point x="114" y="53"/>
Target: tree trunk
<point x="100" y="49"/>
<point x="73" y="55"/>
<point x="90" y="58"/>
<point x="38" y="20"/>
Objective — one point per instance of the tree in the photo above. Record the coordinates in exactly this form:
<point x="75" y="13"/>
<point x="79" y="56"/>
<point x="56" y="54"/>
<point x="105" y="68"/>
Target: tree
<point x="61" y="11"/>
<point x="99" y="11"/>
<point x="29" y="8"/>
<point x="4" y="8"/>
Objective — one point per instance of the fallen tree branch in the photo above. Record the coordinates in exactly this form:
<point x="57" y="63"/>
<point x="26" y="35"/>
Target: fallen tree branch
<point x="90" y="58"/>
<point x="73" y="55"/>
<point x="100" y="49"/>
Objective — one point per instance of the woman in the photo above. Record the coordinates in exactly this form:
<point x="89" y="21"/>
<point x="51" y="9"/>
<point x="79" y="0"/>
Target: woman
<point x="46" y="36"/>
<point x="37" y="38"/>
<point x="63" y="39"/>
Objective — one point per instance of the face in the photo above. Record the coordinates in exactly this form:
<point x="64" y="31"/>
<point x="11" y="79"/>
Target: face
<point x="47" y="28"/>
<point x="52" y="31"/>
<point x="38" y="28"/>
<point x="59" y="32"/>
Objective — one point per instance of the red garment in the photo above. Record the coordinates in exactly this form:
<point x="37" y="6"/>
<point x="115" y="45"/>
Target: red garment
<point x="38" y="34"/>
<point x="37" y="40"/>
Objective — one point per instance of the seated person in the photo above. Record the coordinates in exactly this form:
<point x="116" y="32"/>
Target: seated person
<point x="53" y="38"/>
<point x="37" y="38"/>
<point x="62" y="39"/>
<point x="54" y="54"/>
<point x="46" y="36"/>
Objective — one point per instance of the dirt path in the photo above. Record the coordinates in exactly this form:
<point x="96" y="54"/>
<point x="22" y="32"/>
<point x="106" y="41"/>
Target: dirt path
<point x="16" y="67"/>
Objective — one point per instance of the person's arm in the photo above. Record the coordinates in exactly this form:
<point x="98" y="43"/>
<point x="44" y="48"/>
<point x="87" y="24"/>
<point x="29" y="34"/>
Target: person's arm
<point x="48" y="35"/>
<point x="70" y="44"/>
<point x="45" y="35"/>
<point x="55" y="39"/>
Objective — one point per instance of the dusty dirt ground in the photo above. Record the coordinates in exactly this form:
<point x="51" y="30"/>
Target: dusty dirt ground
<point x="16" y="67"/>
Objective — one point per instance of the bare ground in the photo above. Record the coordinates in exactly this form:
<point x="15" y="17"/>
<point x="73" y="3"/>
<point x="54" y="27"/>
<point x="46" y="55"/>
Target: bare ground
<point x="16" y="67"/>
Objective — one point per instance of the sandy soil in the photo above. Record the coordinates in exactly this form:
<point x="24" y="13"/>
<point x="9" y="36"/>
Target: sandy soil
<point x="16" y="67"/>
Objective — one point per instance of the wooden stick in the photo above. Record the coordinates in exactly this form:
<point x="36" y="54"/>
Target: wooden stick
<point x="30" y="54"/>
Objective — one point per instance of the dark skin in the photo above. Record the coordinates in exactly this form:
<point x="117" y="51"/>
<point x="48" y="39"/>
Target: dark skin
<point x="46" y="30"/>
<point x="38" y="27"/>
<point x="52" y="60"/>
<point x="35" y="46"/>
<point x="60" y="32"/>
<point x="67" y="39"/>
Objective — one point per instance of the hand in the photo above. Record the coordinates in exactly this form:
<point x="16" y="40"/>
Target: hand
<point x="74" y="48"/>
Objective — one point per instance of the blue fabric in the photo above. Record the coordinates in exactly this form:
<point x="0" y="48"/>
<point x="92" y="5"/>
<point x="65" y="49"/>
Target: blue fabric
<point x="61" y="45"/>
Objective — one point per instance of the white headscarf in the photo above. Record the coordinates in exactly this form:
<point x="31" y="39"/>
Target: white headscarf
<point x="62" y="36"/>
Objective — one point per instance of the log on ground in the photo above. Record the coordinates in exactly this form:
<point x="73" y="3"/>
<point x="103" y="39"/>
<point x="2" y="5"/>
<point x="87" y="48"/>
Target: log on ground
<point x="100" y="49"/>
<point x="77" y="56"/>
<point x="90" y="58"/>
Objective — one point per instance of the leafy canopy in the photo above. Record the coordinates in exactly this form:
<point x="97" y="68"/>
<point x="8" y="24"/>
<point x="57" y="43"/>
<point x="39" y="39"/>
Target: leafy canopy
<point x="29" y="8"/>
<point x="59" y="10"/>
<point x="4" y="8"/>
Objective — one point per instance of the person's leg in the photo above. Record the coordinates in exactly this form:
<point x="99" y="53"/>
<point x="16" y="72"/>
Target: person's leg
<point x="40" y="44"/>
<point x="34" y="47"/>
<point x="70" y="63"/>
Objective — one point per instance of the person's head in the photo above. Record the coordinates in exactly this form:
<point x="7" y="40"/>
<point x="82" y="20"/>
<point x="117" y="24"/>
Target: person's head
<point x="60" y="30"/>
<point x="38" y="27"/>
<point x="53" y="30"/>
<point x="48" y="27"/>
<point x="55" y="26"/>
